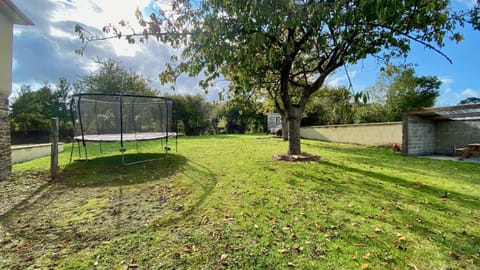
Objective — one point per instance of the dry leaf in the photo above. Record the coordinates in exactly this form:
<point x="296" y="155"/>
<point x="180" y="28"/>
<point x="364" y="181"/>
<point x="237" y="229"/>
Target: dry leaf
<point x="223" y="257"/>
<point x="454" y="255"/>
<point x="283" y="250"/>
<point x="367" y="256"/>
<point x="364" y="266"/>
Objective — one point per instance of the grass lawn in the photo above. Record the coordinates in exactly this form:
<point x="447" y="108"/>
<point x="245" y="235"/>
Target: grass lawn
<point x="222" y="202"/>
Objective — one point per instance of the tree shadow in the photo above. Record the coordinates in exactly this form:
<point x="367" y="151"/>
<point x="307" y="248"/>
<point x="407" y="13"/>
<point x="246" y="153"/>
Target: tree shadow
<point x="383" y="158"/>
<point x="396" y="200"/>
<point x="116" y="200"/>
<point x="109" y="170"/>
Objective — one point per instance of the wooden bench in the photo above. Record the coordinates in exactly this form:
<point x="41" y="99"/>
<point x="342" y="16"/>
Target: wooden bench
<point x="467" y="151"/>
<point x="463" y="153"/>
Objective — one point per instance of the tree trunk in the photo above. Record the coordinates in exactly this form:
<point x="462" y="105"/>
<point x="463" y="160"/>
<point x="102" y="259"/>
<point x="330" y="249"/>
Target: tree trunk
<point x="283" y="117"/>
<point x="294" y="118"/>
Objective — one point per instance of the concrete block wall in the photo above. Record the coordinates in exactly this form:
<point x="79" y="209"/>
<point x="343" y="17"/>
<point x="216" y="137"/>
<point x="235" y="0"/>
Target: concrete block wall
<point x="5" y="152"/>
<point x="450" y="134"/>
<point x="420" y="136"/>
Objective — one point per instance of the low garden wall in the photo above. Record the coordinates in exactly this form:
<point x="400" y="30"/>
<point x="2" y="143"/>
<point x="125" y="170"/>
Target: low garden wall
<point x="366" y="134"/>
<point x="22" y="153"/>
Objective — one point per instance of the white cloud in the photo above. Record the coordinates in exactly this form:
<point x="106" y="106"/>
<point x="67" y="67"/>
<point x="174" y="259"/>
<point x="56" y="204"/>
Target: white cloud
<point x="446" y="80"/>
<point x="468" y="93"/>
<point x="340" y="78"/>
<point x="45" y="51"/>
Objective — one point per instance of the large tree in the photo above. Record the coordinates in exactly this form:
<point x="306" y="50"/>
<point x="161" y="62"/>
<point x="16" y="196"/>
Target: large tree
<point x="111" y="77"/>
<point x="408" y="91"/>
<point x="31" y="110"/>
<point x="294" y="45"/>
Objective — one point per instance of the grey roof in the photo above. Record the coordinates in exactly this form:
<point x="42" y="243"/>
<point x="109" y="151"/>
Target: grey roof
<point x="460" y="112"/>
<point x="9" y="10"/>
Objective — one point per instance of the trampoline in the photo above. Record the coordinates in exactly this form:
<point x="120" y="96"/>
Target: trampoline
<point x="122" y="118"/>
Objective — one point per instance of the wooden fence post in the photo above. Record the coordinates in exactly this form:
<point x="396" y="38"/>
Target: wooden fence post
<point x="54" y="148"/>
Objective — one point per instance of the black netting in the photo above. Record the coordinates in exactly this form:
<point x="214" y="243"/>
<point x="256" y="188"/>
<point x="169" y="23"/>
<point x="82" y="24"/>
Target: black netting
<point x="104" y="114"/>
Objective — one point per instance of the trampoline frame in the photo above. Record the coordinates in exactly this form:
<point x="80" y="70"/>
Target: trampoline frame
<point x="122" y="137"/>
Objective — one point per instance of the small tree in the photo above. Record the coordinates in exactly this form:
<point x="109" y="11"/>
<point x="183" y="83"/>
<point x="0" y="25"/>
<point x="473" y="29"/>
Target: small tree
<point x="470" y="100"/>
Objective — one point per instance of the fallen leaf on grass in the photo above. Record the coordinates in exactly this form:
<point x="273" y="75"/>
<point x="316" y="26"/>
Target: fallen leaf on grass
<point x="290" y="264"/>
<point x="401" y="242"/>
<point x="283" y="250"/>
<point x="454" y="255"/>
<point x="364" y="266"/>
<point x="367" y="256"/>
<point x="223" y="257"/>
<point x="414" y="267"/>
<point x="297" y="248"/>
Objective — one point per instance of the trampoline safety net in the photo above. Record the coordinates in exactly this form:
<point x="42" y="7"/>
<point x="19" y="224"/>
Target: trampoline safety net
<point x="122" y="118"/>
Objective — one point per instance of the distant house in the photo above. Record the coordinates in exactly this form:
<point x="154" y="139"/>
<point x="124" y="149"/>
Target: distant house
<point x="274" y="123"/>
<point x="9" y="16"/>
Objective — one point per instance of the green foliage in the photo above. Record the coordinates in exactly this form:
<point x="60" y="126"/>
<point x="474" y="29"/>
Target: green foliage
<point x="112" y="78"/>
<point x="334" y="106"/>
<point x="371" y="113"/>
<point x="469" y="100"/>
<point x="32" y="110"/>
<point x="195" y="114"/>
<point x="397" y="90"/>
<point x="242" y="116"/>
<point x="409" y="92"/>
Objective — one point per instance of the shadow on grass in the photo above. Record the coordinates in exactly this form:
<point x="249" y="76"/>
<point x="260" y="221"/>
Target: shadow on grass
<point x="463" y="199"/>
<point x="204" y="178"/>
<point x="99" y="200"/>
<point x="109" y="170"/>
<point x="394" y="201"/>
<point x="379" y="157"/>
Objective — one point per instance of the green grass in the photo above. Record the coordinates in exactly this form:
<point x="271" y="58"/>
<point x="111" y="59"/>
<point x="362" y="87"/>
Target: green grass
<point x="223" y="202"/>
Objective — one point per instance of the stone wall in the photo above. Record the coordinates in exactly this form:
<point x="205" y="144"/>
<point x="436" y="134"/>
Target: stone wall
<point x="451" y="134"/>
<point x="366" y="134"/>
<point x="5" y="152"/>
<point x="418" y="136"/>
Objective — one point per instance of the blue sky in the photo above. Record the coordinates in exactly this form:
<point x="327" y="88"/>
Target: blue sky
<point x="45" y="52"/>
